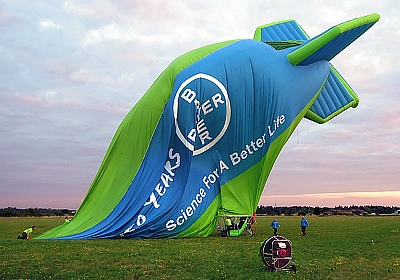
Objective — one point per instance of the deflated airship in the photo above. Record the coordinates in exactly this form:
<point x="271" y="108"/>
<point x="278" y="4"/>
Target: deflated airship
<point x="203" y="139"/>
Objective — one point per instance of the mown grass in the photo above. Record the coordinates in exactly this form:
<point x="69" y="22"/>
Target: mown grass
<point x="335" y="248"/>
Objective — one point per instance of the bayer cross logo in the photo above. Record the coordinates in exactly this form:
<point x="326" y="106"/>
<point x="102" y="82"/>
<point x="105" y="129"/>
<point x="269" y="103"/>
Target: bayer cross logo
<point x="202" y="112"/>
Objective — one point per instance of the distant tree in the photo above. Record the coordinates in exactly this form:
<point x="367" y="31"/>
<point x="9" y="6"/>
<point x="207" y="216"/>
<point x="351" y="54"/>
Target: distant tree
<point x="317" y="211"/>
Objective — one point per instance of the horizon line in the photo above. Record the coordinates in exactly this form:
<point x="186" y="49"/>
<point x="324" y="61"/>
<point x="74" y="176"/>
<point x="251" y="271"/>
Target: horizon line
<point x="390" y="198"/>
<point x="359" y="194"/>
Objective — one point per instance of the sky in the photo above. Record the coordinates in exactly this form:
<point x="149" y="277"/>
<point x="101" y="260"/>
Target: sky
<point x="71" y="70"/>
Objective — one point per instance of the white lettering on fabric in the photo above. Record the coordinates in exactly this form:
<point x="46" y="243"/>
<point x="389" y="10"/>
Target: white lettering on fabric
<point x="202" y="131"/>
<point x="275" y="124"/>
<point x="160" y="189"/>
<point x="212" y="107"/>
<point x="187" y="212"/>
<point x="252" y="147"/>
<point x="188" y="95"/>
<point x="165" y="178"/>
<point x="214" y="176"/>
<point x="141" y="219"/>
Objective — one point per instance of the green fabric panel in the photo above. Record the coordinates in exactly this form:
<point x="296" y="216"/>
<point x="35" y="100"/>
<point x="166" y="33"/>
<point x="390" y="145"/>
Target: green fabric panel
<point x="127" y="148"/>
<point x="237" y="232"/>
<point x="204" y="226"/>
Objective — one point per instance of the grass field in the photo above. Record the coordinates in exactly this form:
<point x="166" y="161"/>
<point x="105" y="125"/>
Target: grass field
<point x="335" y="248"/>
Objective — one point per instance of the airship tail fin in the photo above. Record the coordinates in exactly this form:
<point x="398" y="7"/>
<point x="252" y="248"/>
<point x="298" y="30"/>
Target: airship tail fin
<point x="279" y="31"/>
<point x="331" y="42"/>
<point x="337" y="95"/>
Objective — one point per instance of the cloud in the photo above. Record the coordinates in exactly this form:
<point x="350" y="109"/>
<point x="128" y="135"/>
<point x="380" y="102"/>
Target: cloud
<point x="108" y="32"/>
<point x="48" y="24"/>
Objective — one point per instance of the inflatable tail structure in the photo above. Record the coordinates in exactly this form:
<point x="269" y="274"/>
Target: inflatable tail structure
<point x="203" y="139"/>
<point x="337" y="95"/>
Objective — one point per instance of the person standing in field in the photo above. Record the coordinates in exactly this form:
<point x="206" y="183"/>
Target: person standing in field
<point x="274" y="225"/>
<point x="304" y="225"/>
<point x="253" y="224"/>
<point x="26" y="234"/>
<point x="228" y="224"/>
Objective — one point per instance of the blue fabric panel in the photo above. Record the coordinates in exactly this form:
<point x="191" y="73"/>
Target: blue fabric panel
<point x="330" y="50"/>
<point x="333" y="97"/>
<point x="287" y="30"/>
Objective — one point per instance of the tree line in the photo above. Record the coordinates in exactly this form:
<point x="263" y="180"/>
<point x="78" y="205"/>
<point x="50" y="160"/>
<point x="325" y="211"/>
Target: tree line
<point x="35" y="212"/>
<point x="337" y="210"/>
<point x="261" y="210"/>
